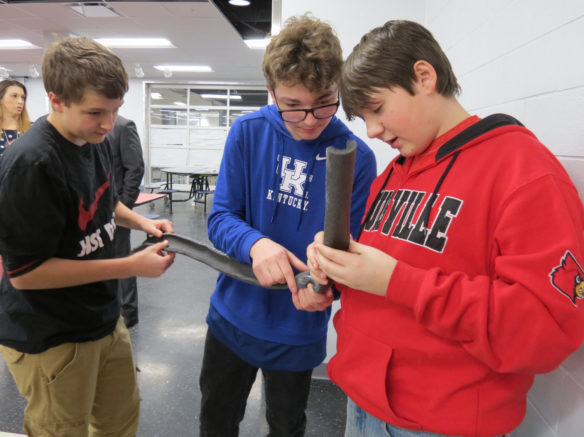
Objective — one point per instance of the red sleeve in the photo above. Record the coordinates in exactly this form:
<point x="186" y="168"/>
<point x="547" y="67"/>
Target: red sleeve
<point x="527" y="313"/>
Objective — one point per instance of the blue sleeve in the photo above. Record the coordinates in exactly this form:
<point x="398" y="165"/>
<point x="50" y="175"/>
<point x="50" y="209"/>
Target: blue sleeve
<point x="365" y="173"/>
<point x="227" y="224"/>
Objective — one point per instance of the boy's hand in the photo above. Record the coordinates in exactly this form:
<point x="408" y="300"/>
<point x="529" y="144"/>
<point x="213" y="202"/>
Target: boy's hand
<point x="315" y="271"/>
<point x="152" y="261"/>
<point x="307" y="300"/>
<point x="271" y="263"/>
<point x="158" y="227"/>
<point x="360" y="267"/>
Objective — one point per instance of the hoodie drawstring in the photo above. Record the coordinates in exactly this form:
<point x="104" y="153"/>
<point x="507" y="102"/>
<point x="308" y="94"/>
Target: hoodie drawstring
<point x="307" y="186"/>
<point x="276" y="179"/>
<point x="430" y="203"/>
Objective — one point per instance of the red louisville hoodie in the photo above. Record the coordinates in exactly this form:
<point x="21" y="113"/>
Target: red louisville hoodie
<point x="488" y="287"/>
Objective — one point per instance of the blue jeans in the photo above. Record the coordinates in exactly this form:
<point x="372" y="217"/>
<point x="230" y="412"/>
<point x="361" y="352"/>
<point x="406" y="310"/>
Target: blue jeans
<point x="362" y="424"/>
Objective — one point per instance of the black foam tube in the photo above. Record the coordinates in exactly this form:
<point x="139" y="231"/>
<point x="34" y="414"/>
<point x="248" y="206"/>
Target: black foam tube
<point x="219" y="261"/>
<point x="340" y="167"/>
<point x="337" y="224"/>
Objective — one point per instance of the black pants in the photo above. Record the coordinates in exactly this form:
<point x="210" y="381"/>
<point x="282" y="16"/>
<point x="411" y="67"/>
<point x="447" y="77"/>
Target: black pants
<point x="127" y="287"/>
<point x="225" y="383"/>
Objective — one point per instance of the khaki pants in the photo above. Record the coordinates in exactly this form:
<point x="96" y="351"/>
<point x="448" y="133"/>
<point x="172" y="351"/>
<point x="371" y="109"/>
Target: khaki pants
<point x="79" y="389"/>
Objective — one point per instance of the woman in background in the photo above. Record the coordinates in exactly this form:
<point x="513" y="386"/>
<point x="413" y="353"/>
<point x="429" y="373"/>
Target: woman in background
<point x="14" y="119"/>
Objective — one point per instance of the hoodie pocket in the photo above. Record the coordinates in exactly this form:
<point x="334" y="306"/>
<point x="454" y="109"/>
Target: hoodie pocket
<point x="360" y="368"/>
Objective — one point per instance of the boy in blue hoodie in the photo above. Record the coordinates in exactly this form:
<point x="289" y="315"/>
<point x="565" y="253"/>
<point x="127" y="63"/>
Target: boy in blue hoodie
<point x="268" y="205"/>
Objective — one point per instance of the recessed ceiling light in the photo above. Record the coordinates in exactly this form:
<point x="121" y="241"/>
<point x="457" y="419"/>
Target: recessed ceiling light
<point x="239" y="2"/>
<point x="185" y="68"/>
<point x="257" y="44"/>
<point x="156" y="96"/>
<point x="14" y="44"/>
<point x="135" y="43"/>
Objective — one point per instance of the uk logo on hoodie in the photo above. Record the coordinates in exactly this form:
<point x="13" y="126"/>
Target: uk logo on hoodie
<point x="292" y="186"/>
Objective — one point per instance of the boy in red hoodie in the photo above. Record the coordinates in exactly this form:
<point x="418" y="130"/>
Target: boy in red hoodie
<point x="467" y="278"/>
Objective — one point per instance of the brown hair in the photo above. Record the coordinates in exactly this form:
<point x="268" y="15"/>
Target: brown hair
<point x="306" y="51"/>
<point x="76" y="64"/>
<point x="385" y="58"/>
<point x="23" y="120"/>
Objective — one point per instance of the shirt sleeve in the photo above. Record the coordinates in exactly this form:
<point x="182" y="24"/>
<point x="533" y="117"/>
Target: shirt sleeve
<point x="517" y="318"/>
<point x="31" y="217"/>
<point x="227" y="226"/>
<point x="132" y="164"/>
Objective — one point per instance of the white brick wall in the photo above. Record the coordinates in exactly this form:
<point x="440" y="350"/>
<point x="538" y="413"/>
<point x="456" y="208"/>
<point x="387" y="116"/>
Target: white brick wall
<point x="524" y="58"/>
<point x="521" y="57"/>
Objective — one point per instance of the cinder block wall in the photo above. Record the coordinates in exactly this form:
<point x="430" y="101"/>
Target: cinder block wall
<point x="525" y="58"/>
<point x="521" y="57"/>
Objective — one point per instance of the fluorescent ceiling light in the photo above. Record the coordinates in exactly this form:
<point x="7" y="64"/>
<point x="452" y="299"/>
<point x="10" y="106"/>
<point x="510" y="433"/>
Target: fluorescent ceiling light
<point x="185" y="68"/>
<point x="221" y="96"/>
<point x="135" y="43"/>
<point x="258" y="44"/>
<point x="179" y="103"/>
<point x="156" y="96"/>
<point x="11" y="44"/>
<point x="239" y="2"/>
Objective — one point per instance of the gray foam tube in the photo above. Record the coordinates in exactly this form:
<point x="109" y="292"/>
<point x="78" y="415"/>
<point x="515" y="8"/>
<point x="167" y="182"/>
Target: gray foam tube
<point x="340" y="167"/>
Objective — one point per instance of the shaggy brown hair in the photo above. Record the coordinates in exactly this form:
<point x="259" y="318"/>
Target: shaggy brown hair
<point x="385" y="58"/>
<point x="306" y="51"/>
<point x="77" y="64"/>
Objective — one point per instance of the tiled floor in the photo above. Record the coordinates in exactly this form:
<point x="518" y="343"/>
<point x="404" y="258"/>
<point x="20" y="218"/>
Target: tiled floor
<point x="168" y="345"/>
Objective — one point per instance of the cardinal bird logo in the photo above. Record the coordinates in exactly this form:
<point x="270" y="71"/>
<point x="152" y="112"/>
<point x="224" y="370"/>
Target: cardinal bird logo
<point x="568" y="278"/>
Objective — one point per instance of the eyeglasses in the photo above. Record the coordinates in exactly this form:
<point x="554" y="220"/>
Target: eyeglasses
<point x="298" y="115"/>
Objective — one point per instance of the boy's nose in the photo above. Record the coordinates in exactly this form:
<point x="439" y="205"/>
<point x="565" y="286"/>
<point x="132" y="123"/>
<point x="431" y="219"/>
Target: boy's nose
<point x="108" y="122"/>
<point x="374" y="130"/>
<point x="310" y="120"/>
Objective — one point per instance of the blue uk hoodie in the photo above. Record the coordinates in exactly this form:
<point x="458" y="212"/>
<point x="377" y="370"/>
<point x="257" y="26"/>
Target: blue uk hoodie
<point x="271" y="185"/>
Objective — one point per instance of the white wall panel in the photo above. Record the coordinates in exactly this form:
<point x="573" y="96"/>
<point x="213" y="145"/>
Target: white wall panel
<point x="551" y="117"/>
<point x="574" y="365"/>
<point x="37" y="102"/>
<point x="523" y="58"/>
<point x="534" y="425"/>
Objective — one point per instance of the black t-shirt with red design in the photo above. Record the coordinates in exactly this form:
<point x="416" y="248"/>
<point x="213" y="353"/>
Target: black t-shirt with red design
<point x="56" y="201"/>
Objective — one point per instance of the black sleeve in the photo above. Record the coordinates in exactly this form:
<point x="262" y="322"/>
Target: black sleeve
<point x="132" y="164"/>
<point x="32" y="217"/>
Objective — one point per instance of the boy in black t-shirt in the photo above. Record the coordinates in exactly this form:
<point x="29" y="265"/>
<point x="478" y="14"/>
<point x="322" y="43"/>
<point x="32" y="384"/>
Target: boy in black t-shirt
<point x="60" y="327"/>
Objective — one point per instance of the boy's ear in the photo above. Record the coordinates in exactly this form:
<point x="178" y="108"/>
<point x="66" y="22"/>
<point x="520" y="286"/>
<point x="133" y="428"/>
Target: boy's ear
<point x="56" y="103"/>
<point x="271" y="93"/>
<point x="426" y="76"/>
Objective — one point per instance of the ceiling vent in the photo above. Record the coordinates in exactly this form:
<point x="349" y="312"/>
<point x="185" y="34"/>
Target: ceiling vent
<point x="94" y="10"/>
